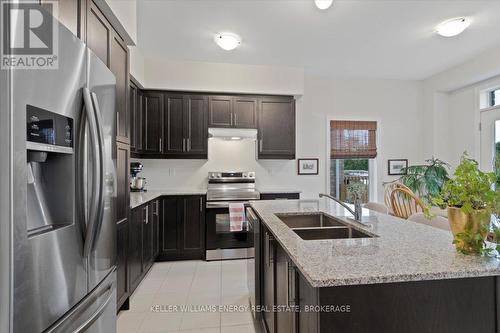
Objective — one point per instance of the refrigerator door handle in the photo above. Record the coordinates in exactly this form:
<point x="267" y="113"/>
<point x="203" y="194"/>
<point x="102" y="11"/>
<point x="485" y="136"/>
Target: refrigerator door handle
<point x="83" y="327"/>
<point x="96" y="172"/>
<point x="100" y="193"/>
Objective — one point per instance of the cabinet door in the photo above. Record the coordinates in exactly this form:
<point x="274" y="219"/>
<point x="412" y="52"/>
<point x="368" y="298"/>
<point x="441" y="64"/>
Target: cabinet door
<point x="122" y="290"/>
<point x="118" y="64"/>
<point x="220" y="111"/>
<point x="175" y="142"/>
<point x="245" y="112"/>
<point x="147" y="238"/>
<point x="122" y="179"/>
<point x="135" y="247"/>
<point x="276" y="128"/>
<point x="139" y="115"/>
<point x="285" y="288"/>
<point x="98" y="32"/>
<point x="268" y="293"/>
<point x="156" y="228"/>
<point x="170" y="225"/>
<point x="132" y="97"/>
<point x="193" y="228"/>
<point x="196" y="127"/>
<point x="152" y="122"/>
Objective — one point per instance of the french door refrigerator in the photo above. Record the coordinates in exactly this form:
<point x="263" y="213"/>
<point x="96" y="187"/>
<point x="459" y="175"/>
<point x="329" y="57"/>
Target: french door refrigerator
<point x="58" y="190"/>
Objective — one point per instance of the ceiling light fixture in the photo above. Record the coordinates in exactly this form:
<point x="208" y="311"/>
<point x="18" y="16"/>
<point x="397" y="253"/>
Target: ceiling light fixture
<point x="452" y="27"/>
<point x="323" y="4"/>
<point x="227" y="41"/>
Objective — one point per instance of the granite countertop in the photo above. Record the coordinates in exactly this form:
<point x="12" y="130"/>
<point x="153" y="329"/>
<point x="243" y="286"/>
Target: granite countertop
<point x="403" y="250"/>
<point x="139" y="198"/>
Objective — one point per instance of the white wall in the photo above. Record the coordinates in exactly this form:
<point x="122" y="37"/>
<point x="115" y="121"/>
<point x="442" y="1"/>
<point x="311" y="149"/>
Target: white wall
<point x="396" y="105"/>
<point x="451" y="114"/>
<point x="202" y="76"/>
<point x="126" y="12"/>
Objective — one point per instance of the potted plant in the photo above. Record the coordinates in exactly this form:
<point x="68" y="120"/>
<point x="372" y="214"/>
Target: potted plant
<point x="471" y="200"/>
<point x="426" y="180"/>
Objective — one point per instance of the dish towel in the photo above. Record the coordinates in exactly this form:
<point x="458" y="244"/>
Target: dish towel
<point x="236" y="216"/>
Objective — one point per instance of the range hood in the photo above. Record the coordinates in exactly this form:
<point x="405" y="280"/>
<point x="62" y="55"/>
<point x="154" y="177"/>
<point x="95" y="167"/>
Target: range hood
<point x="232" y="134"/>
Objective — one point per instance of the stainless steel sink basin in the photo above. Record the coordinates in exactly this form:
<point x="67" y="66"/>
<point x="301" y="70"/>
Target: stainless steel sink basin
<point x="309" y="221"/>
<point x="330" y="233"/>
<point x="320" y="226"/>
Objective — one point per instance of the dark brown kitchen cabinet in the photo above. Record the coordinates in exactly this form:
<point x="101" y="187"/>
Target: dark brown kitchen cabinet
<point x="276" y="138"/>
<point x="220" y="111"/>
<point x="107" y="44"/>
<point x="135" y="112"/>
<point x="285" y="289"/>
<point x="152" y="123"/>
<point x="233" y="111"/>
<point x="185" y="126"/>
<point x="122" y="181"/>
<point x="196" y="128"/>
<point x="173" y="126"/>
<point x="98" y="32"/>
<point x="268" y="296"/>
<point x="245" y="112"/>
<point x="135" y="247"/>
<point x="122" y="283"/>
<point x="182" y="228"/>
<point x="147" y="238"/>
<point x="155" y="219"/>
<point x="119" y="64"/>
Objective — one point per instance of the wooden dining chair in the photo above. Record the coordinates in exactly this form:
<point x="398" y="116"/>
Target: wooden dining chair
<point x="405" y="203"/>
<point x="389" y="187"/>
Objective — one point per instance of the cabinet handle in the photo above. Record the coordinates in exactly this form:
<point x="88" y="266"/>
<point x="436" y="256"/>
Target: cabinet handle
<point x="270" y="258"/>
<point x="201" y="205"/>
<point x="260" y="145"/>
<point x="161" y="146"/>
<point x="183" y="144"/>
<point x="232" y="123"/>
<point x="188" y="144"/>
<point x="147" y="215"/>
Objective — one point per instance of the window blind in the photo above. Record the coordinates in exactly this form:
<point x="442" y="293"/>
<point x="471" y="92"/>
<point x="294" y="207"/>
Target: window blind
<point x="353" y="139"/>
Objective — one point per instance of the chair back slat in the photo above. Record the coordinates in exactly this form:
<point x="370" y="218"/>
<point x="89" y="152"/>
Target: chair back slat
<point x="405" y="203"/>
<point x="388" y="192"/>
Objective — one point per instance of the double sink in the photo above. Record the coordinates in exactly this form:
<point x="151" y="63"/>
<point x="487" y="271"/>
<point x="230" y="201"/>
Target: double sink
<point x="320" y="226"/>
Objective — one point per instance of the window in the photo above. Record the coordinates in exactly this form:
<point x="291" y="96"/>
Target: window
<point x="494" y="98"/>
<point x="353" y="144"/>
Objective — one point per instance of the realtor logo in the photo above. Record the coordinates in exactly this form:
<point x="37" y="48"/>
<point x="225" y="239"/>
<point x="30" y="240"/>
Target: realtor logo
<point x="29" y="38"/>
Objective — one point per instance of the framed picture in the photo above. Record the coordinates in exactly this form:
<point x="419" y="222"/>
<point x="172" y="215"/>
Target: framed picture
<point x="308" y="166"/>
<point x="397" y="167"/>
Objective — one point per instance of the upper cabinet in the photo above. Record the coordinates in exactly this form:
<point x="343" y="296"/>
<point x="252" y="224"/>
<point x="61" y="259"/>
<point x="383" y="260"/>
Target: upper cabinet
<point x="276" y="137"/>
<point x="107" y="44"/>
<point x="175" y="124"/>
<point x="233" y="111"/>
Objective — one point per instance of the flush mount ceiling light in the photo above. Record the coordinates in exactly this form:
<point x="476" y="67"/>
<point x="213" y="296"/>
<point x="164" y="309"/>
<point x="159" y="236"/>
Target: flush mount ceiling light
<point x="323" y="4"/>
<point x="452" y="27"/>
<point x="227" y="41"/>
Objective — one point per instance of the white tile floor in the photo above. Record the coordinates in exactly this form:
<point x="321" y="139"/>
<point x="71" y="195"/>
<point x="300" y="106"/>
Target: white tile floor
<point x="189" y="283"/>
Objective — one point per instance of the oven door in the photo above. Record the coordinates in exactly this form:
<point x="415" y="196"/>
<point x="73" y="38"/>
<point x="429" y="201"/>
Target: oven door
<point x="219" y="234"/>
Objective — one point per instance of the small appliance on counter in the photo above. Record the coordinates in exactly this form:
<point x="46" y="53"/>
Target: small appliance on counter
<point x="137" y="184"/>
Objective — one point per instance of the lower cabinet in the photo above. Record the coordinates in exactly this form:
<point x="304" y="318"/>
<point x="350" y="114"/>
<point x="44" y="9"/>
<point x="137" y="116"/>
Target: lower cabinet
<point x="122" y="284"/>
<point x="143" y="231"/>
<point x="182" y="227"/>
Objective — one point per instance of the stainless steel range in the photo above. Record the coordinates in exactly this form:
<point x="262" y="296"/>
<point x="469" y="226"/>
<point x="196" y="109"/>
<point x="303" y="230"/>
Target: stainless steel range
<point x="224" y="189"/>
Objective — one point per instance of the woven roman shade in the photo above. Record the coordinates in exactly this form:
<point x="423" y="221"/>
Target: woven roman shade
<point x="353" y="139"/>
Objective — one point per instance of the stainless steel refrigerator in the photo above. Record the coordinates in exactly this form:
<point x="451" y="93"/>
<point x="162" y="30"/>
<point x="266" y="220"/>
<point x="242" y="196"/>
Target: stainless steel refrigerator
<point x="58" y="192"/>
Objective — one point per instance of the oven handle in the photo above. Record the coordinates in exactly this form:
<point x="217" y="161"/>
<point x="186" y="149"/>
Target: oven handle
<point x="224" y="204"/>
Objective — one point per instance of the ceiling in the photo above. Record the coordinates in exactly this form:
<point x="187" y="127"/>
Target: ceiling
<point x="367" y="38"/>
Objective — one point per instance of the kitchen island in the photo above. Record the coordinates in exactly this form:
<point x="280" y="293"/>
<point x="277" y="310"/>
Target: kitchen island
<point x="393" y="276"/>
